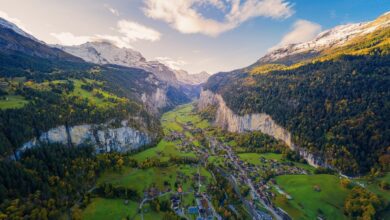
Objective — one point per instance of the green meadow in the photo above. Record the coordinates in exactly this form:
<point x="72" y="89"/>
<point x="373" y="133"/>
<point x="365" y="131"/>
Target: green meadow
<point x="163" y="151"/>
<point x="12" y="102"/>
<point x="312" y="195"/>
<point x="114" y="209"/>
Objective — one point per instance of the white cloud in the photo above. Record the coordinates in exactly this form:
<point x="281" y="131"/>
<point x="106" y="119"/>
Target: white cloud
<point x="302" y="31"/>
<point x="128" y="32"/>
<point x="69" y="39"/>
<point x="112" y="10"/>
<point x="135" y="31"/>
<point x="172" y="63"/>
<point x="184" y="16"/>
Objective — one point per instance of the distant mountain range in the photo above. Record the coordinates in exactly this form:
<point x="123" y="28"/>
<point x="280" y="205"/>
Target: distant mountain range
<point x="107" y="53"/>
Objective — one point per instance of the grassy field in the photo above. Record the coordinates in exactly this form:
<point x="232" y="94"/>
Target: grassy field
<point x="254" y="158"/>
<point x="142" y="179"/>
<point x="114" y="209"/>
<point x="374" y="186"/>
<point x="96" y="96"/>
<point x="306" y="202"/>
<point x="92" y="95"/>
<point x="163" y="151"/>
<point x="173" y="120"/>
<point x="12" y="101"/>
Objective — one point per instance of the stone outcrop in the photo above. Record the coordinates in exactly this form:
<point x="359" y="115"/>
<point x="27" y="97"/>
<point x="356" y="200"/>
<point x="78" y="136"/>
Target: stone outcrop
<point x="228" y="120"/>
<point x="102" y="136"/>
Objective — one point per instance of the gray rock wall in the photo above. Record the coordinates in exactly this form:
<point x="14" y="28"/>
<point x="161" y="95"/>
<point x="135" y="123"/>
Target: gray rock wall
<point x="228" y="120"/>
<point x="102" y="136"/>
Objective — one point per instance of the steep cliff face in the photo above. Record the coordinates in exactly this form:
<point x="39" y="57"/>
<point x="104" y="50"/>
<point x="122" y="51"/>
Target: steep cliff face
<point x="228" y="120"/>
<point x="155" y="101"/>
<point x="102" y="136"/>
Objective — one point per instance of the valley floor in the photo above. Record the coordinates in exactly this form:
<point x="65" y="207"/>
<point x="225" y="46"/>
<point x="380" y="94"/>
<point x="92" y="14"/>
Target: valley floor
<point x="201" y="176"/>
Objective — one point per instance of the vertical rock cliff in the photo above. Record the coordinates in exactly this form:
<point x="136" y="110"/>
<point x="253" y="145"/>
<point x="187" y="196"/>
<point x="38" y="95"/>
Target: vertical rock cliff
<point x="104" y="137"/>
<point x="228" y="120"/>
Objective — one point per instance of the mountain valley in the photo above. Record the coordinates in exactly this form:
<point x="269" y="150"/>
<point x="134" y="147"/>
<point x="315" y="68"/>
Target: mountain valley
<point x="96" y="131"/>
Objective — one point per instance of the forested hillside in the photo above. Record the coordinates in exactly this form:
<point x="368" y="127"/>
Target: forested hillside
<point x="338" y="108"/>
<point x="43" y="87"/>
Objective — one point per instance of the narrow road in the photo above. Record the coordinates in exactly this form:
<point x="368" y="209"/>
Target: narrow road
<point x="248" y="181"/>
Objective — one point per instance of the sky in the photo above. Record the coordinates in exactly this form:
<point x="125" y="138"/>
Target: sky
<point x="194" y="35"/>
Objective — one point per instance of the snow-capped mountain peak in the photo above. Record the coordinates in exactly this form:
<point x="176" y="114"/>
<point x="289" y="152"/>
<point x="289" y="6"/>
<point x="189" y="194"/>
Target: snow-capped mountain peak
<point x="192" y="79"/>
<point x="331" y="38"/>
<point x="105" y="53"/>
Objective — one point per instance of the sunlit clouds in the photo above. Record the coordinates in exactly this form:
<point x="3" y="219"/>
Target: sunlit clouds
<point x="302" y="31"/>
<point x="184" y="16"/>
<point x="175" y="64"/>
<point x="128" y="32"/>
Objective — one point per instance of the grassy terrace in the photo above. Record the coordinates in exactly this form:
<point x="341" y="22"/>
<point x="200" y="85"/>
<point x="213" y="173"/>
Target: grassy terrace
<point x="96" y="96"/>
<point x="12" y="102"/>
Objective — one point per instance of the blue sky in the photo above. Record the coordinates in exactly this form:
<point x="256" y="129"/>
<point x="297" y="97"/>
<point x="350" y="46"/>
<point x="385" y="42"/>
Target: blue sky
<point x="195" y="35"/>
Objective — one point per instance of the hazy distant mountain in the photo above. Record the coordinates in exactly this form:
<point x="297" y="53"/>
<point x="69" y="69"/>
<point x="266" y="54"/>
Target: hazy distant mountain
<point x="191" y="79"/>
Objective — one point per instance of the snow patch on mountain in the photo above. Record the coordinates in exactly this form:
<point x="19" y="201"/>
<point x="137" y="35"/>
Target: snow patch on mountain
<point x="327" y="39"/>
<point x="6" y="24"/>
<point x="107" y="53"/>
<point x="191" y="79"/>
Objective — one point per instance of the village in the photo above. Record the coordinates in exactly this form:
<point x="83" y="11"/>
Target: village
<point x="241" y="173"/>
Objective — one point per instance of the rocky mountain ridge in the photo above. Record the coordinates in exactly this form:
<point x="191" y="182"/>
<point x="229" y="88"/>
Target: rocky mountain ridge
<point x="107" y="53"/>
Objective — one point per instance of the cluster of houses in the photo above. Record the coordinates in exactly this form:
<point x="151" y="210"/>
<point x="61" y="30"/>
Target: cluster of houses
<point x="202" y="209"/>
<point x="175" y="201"/>
<point x="174" y="135"/>
<point x="243" y="173"/>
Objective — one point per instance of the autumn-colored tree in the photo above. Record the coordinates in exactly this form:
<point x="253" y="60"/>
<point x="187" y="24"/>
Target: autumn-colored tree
<point x="346" y="183"/>
<point x="76" y="213"/>
<point x="362" y="204"/>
